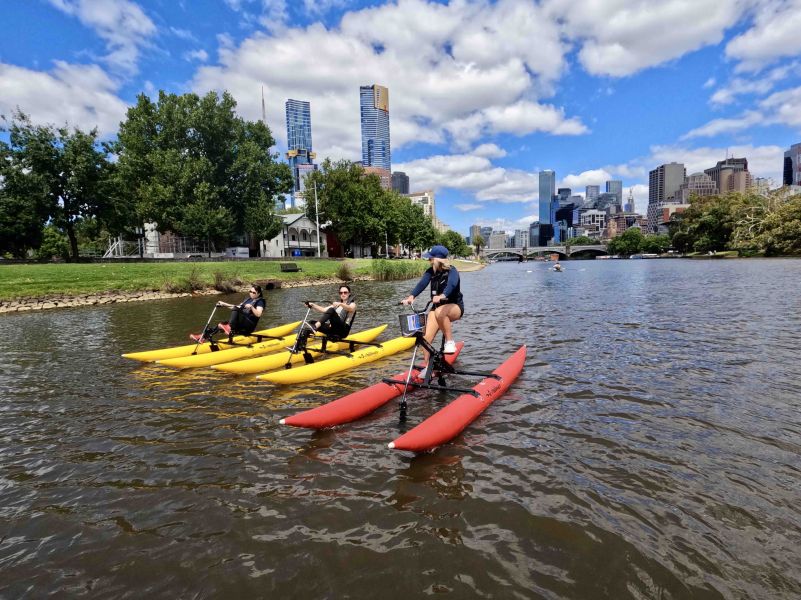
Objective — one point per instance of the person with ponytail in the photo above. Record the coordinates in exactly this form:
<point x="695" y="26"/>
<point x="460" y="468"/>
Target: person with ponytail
<point x="446" y="296"/>
<point x="244" y="316"/>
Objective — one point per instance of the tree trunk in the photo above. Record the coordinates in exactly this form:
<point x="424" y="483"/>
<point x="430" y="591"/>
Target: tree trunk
<point x="73" y="240"/>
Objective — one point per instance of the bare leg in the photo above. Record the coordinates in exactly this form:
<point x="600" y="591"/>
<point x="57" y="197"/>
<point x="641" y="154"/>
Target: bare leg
<point x="445" y="315"/>
<point x="432" y="327"/>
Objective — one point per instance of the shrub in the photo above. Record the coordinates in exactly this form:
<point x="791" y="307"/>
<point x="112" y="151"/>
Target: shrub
<point x="344" y="272"/>
<point x="390" y="270"/>
<point x="225" y="284"/>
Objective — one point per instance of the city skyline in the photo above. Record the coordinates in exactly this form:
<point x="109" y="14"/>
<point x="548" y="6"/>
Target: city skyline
<point x="610" y="92"/>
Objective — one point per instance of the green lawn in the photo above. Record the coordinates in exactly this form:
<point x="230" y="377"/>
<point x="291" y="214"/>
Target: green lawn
<point x="38" y="280"/>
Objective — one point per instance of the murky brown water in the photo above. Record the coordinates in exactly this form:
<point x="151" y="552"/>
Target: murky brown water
<point x="651" y="449"/>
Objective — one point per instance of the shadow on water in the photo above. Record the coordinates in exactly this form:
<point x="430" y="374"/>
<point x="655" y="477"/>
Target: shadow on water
<point x="649" y="450"/>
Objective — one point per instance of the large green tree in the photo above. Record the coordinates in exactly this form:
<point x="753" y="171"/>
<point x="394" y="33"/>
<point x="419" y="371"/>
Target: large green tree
<point x="191" y="165"/>
<point x="627" y="243"/>
<point x="54" y="174"/>
<point x="455" y="243"/>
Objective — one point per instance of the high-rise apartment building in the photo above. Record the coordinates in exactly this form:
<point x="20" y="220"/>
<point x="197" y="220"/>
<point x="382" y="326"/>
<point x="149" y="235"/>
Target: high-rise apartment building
<point x="400" y="182"/>
<point x="547" y="191"/>
<point x="697" y="184"/>
<point x="591" y="193"/>
<point x="374" y="101"/>
<point x="615" y="186"/>
<point x="663" y="183"/>
<point x="475" y="231"/>
<point x="791" y="172"/>
<point x="731" y="165"/>
<point x="299" y="144"/>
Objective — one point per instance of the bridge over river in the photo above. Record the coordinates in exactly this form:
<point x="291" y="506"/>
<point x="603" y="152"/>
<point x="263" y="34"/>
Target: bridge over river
<point x="563" y="251"/>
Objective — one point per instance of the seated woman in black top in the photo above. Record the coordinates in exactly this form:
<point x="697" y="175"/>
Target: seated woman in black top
<point x="445" y="294"/>
<point x="334" y="317"/>
<point x="244" y="316"/>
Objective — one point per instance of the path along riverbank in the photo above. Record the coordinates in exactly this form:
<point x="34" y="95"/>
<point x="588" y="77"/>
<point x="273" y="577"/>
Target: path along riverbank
<point x="97" y="298"/>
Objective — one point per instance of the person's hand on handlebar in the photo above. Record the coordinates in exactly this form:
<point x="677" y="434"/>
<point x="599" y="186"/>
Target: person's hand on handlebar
<point x="438" y="299"/>
<point x="407" y="300"/>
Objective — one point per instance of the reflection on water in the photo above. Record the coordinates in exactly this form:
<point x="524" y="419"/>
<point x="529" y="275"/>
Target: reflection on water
<point x="649" y="450"/>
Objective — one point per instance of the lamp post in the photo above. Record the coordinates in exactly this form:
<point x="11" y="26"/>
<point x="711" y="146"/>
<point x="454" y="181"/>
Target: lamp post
<point x="317" y="219"/>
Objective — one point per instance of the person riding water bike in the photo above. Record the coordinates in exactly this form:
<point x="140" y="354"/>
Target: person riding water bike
<point x="446" y="296"/>
<point x="244" y="316"/>
<point x="333" y="322"/>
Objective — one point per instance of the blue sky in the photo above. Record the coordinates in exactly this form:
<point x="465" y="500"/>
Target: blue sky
<point x="482" y="95"/>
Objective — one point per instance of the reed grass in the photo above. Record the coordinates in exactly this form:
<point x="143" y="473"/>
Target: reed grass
<point x="393" y="270"/>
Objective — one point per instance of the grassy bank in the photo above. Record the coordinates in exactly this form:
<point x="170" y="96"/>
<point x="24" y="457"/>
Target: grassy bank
<point x="38" y="280"/>
<point x="43" y="280"/>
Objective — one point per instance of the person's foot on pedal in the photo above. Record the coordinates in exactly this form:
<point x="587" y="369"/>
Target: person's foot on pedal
<point x="450" y="347"/>
<point x="424" y="372"/>
<point x="225" y="327"/>
<point x="197" y="337"/>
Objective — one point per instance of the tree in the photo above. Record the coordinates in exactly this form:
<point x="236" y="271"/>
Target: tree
<point x="655" y="244"/>
<point x="627" y="243"/>
<point x="479" y="243"/>
<point x="455" y="243"/>
<point x="351" y="202"/>
<point x="582" y="240"/>
<point x="60" y="172"/>
<point x="193" y="166"/>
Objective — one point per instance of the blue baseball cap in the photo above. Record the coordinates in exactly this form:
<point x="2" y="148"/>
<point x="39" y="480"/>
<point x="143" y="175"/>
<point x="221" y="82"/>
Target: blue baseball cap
<point x="436" y="252"/>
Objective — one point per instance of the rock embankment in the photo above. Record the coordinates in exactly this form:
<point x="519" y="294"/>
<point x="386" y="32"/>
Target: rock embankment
<point x="64" y="301"/>
<point x="99" y="298"/>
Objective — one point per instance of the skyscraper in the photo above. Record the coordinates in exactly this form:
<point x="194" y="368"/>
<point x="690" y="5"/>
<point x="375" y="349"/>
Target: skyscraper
<point x="591" y="193"/>
<point x="299" y="144"/>
<point x="374" y="100"/>
<point x="547" y="192"/>
<point x="615" y="186"/>
<point x="723" y="170"/>
<point x="791" y="171"/>
<point x="663" y="183"/>
<point x="400" y="182"/>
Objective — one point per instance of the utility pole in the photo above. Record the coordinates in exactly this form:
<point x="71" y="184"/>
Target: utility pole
<point x="317" y="219"/>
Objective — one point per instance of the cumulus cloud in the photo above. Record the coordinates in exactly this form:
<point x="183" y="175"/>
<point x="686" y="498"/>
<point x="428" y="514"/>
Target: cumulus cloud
<point x="780" y="108"/>
<point x="592" y="177"/>
<point x="773" y="34"/>
<point x="621" y="37"/>
<point x="759" y="85"/>
<point x="468" y="207"/>
<point x="198" y="55"/>
<point x="473" y="174"/>
<point x="122" y="24"/>
<point x="83" y="96"/>
<point x="442" y="87"/>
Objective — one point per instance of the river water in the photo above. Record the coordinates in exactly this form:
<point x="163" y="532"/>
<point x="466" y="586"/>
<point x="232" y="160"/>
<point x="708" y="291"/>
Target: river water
<point x="650" y="449"/>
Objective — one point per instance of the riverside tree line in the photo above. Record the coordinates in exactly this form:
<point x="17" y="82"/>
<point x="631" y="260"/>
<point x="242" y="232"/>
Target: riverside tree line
<point x="750" y="223"/>
<point x="192" y="166"/>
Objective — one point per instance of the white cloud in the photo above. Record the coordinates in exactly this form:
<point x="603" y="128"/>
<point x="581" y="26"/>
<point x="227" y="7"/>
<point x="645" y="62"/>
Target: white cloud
<point x="122" y="24"/>
<point x="489" y="151"/>
<point x="473" y="174"/>
<point x="468" y="207"/>
<point x="780" y="108"/>
<point x="442" y="88"/>
<point x="593" y="177"/>
<point x="82" y="95"/>
<point x="198" y="55"/>
<point x="621" y="37"/>
<point x="728" y="125"/>
<point x="760" y="85"/>
<point x="774" y="34"/>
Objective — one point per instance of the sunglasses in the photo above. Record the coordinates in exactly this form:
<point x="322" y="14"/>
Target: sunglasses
<point x="253" y="292"/>
<point x="345" y="292"/>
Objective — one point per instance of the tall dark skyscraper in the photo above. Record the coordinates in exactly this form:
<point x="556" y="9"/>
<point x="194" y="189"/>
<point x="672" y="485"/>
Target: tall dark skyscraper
<point x="299" y="144"/>
<point x="546" y="192"/>
<point x="374" y="101"/>
<point x="400" y="182"/>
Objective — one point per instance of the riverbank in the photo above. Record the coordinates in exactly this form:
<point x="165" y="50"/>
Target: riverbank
<point x="47" y="286"/>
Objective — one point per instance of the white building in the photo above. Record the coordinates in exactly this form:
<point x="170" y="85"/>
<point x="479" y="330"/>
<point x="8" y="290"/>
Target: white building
<point x="298" y="237"/>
